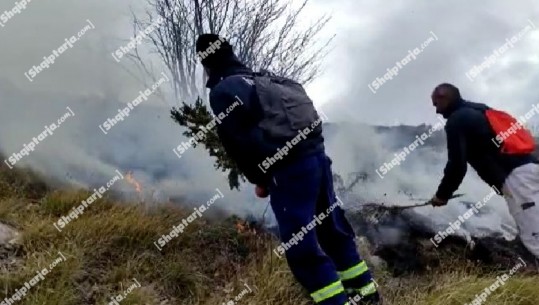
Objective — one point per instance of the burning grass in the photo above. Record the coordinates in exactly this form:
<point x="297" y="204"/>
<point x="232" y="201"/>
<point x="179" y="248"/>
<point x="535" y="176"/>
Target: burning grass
<point x="209" y="263"/>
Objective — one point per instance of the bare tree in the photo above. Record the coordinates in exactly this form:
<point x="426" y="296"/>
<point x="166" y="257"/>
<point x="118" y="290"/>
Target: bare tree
<point x="265" y="34"/>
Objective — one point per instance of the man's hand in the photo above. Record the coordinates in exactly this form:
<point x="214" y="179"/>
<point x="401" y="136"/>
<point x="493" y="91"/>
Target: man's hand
<point x="437" y="202"/>
<point x="261" y="191"/>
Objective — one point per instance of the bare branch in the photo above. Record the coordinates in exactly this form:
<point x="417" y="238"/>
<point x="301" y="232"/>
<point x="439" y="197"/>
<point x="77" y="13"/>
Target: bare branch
<point x="265" y="35"/>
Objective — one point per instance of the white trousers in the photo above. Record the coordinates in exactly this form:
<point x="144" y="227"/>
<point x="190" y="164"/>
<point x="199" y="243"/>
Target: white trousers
<point x="521" y="191"/>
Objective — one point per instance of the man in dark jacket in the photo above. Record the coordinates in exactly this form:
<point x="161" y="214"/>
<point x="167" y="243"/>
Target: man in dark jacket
<point x="470" y="139"/>
<point x="324" y="260"/>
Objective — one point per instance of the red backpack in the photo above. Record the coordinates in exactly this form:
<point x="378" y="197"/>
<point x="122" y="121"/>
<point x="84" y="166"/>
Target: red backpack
<point x="510" y="135"/>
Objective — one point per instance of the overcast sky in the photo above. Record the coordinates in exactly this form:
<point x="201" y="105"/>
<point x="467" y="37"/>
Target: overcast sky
<point x="372" y="36"/>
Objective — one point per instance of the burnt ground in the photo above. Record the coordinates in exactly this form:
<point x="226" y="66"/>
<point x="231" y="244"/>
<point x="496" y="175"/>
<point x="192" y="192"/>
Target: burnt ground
<point x="403" y="242"/>
<point x="401" y="239"/>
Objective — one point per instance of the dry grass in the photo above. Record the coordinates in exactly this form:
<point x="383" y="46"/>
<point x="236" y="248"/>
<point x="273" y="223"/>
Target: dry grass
<point x="111" y="244"/>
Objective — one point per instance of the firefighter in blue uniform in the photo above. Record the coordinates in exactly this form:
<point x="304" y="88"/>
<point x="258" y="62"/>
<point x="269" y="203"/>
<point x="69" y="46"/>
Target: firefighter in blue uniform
<point x="326" y="261"/>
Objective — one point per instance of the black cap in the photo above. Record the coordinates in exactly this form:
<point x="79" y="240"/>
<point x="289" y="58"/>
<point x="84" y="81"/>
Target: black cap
<point x="213" y="50"/>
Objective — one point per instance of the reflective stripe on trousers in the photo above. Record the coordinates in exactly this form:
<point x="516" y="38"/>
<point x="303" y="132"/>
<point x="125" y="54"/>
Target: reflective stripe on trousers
<point x="327" y="292"/>
<point x="354" y="271"/>
<point x="357" y="271"/>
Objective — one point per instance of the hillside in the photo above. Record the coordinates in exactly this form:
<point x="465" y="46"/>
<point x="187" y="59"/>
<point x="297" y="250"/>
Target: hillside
<point x="109" y="251"/>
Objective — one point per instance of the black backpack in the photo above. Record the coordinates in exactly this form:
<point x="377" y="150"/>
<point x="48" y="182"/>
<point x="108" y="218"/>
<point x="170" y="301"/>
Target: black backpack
<point x="286" y="107"/>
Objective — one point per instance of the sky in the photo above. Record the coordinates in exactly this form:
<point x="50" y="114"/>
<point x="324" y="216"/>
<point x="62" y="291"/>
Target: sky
<point x="370" y="38"/>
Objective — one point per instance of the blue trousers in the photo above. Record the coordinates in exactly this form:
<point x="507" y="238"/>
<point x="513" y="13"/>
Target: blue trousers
<point x="319" y="255"/>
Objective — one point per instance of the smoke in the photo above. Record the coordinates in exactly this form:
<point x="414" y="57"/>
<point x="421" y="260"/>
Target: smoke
<point x="88" y="80"/>
<point x="360" y="148"/>
<point x="372" y="38"/>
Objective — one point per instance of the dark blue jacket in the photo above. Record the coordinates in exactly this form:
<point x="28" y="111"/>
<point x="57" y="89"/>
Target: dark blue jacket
<point x="469" y="140"/>
<point x="244" y="142"/>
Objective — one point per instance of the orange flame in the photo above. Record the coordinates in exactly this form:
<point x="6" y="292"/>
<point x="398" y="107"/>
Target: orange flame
<point x="242" y="226"/>
<point x="131" y="180"/>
